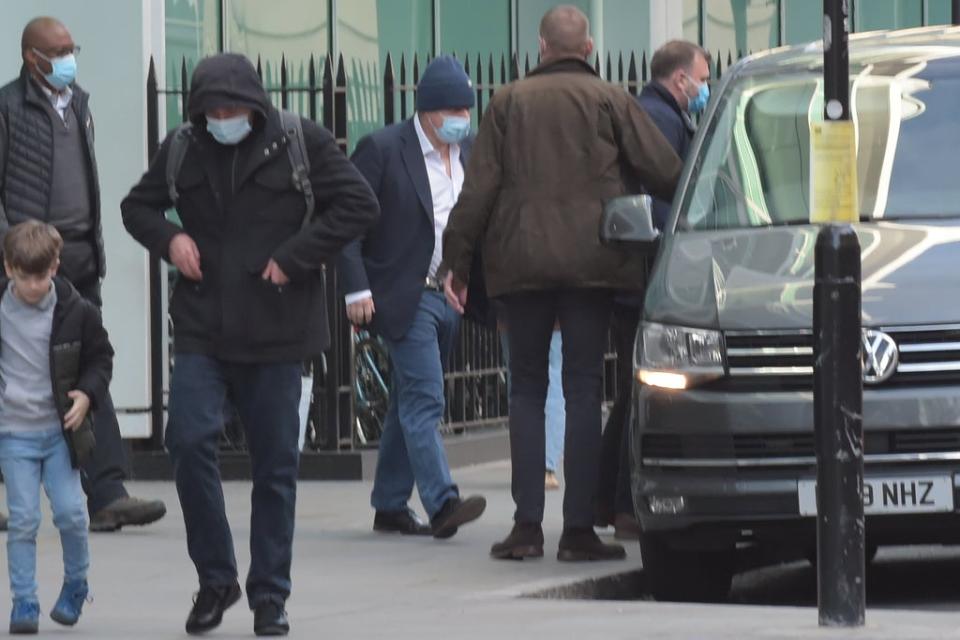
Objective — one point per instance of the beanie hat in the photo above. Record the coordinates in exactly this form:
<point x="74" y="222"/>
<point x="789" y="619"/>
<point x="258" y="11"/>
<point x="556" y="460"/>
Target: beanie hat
<point x="444" y="85"/>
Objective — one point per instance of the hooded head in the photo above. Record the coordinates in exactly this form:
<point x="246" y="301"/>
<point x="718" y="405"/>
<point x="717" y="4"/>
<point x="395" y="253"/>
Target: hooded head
<point x="224" y="81"/>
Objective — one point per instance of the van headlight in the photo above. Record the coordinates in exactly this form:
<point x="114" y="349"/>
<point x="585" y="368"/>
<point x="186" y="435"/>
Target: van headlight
<point x="677" y="357"/>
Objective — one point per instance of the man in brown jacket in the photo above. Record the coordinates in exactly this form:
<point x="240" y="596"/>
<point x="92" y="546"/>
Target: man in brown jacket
<point x="552" y="148"/>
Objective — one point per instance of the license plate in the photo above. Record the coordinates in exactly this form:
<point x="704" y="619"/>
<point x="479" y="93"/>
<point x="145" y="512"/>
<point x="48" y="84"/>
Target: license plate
<point x="895" y="494"/>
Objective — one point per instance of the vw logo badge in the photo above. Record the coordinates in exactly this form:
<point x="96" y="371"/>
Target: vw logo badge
<point x="880" y="356"/>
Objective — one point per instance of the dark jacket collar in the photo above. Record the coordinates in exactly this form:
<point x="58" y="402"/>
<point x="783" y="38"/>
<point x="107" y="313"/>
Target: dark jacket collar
<point x="33" y="93"/>
<point x="66" y="294"/>
<point x="657" y="91"/>
<point x="569" y="64"/>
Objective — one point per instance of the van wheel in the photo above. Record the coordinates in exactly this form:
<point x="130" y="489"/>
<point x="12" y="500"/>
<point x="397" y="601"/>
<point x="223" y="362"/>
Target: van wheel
<point x="686" y="575"/>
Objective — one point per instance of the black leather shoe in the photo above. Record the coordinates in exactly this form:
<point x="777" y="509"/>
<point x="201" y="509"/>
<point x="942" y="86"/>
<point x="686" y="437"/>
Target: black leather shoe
<point x="455" y="513"/>
<point x="524" y="541"/>
<point x="3" y="521"/>
<point x="209" y="605"/>
<point x="269" y="619"/>
<point x="405" y="522"/>
<point x="582" y="545"/>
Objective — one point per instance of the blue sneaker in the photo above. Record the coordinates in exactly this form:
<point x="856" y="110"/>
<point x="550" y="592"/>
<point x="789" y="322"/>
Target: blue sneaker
<point x="25" y="616"/>
<point x="70" y="603"/>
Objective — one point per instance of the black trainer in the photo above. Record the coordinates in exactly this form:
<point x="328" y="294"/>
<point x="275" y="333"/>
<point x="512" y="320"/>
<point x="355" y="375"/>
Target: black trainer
<point x="209" y="605"/>
<point x="405" y="522"/>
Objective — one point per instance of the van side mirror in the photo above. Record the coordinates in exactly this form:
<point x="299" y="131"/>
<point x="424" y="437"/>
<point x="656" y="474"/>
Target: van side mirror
<point x="628" y="221"/>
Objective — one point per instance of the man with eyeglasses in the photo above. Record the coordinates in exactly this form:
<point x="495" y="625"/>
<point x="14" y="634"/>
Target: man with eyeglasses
<point x="48" y="172"/>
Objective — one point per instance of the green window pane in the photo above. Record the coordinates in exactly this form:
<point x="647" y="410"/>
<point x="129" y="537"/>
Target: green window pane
<point x="691" y="20"/>
<point x="626" y="29"/>
<point x="802" y="21"/>
<point x="888" y="14"/>
<point x="938" y="12"/>
<point x="471" y="27"/>
<point x="192" y="30"/>
<point x="280" y="30"/>
<point x="367" y="30"/>
<point x="741" y="26"/>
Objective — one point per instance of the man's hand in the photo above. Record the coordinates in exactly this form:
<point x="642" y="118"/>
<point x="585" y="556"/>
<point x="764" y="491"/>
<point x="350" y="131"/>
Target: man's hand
<point x="456" y="292"/>
<point x="275" y="274"/>
<point x="185" y="256"/>
<point x="361" y="312"/>
<point x="78" y="410"/>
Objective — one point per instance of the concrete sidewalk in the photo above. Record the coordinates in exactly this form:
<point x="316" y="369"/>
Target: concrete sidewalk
<point x="352" y="583"/>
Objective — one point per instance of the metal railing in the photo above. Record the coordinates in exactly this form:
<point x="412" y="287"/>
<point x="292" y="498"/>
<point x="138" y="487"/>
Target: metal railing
<point x="320" y="90"/>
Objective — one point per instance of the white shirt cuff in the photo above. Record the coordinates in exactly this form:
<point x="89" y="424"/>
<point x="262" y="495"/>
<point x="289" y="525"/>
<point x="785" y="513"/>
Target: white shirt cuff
<point x="357" y="296"/>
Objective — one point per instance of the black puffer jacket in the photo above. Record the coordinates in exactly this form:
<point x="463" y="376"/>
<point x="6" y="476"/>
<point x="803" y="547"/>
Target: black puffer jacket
<point x="81" y="359"/>
<point x="26" y="160"/>
<point x="239" y="205"/>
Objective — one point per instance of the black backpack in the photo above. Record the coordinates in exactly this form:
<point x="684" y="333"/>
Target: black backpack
<point x="296" y="151"/>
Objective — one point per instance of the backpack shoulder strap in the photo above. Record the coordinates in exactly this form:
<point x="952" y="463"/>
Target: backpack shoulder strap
<point x="175" y="154"/>
<point x="297" y="151"/>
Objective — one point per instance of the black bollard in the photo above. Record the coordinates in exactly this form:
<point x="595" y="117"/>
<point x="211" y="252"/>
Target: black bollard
<point x="838" y="425"/>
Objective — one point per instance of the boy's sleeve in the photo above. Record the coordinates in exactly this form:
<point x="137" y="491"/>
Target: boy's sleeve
<point x="96" y="356"/>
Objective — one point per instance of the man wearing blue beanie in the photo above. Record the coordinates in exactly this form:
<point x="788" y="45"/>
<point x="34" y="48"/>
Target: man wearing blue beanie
<point x="416" y="169"/>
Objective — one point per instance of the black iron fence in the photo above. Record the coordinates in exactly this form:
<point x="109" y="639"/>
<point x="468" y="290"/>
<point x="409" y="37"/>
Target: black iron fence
<point x="347" y="406"/>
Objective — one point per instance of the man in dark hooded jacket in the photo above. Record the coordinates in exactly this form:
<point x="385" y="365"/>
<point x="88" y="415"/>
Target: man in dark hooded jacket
<point x="247" y="308"/>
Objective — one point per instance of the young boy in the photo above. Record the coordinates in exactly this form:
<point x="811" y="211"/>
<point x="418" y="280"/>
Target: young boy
<point x="55" y="362"/>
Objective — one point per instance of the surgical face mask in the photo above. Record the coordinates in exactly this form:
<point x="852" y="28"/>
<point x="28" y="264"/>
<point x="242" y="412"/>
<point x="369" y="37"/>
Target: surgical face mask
<point x="453" y="130"/>
<point x="229" y="130"/>
<point x="698" y="103"/>
<point x="63" y="70"/>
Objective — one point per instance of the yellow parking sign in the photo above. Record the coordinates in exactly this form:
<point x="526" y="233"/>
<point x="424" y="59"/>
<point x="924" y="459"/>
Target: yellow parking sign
<point x="833" y="171"/>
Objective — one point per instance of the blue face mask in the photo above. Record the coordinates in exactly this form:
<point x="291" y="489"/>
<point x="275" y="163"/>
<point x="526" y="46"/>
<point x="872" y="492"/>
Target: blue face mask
<point x="229" y="130"/>
<point x="698" y="103"/>
<point x="63" y="73"/>
<point x="454" y="129"/>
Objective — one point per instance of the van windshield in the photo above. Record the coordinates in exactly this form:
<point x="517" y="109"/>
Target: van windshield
<point x="754" y="166"/>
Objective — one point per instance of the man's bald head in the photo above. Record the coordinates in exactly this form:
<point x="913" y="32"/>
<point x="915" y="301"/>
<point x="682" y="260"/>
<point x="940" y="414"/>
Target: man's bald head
<point x="44" y="39"/>
<point x="565" y="31"/>
<point x="39" y="33"/>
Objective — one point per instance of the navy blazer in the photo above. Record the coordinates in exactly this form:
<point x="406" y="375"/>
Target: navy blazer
<point x="393" y="259"/>
<point x="675" y="125"/>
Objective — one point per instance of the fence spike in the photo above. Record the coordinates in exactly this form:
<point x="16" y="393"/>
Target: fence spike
<point x="632" y="75"/>
<point x="526" y="63"/>
<point x="620" y="67"/>
<point x="490" y="76"/>
<point x="259" y="68"/>
<point x="719" y="65"/>
<point x="184" y="88"/>
<point x="609" y="75"/>
<point x="596" y="63"/>
<point x="283" y="82"/>
<point x="479" y="88"/>
<point x="644" y="69"/>
<point x="328" y="90"/>
<point x="503" y="69"/>
<point x="312" y="87"/>
<point x="389" y="89"/>
<point x="514" y="66"/>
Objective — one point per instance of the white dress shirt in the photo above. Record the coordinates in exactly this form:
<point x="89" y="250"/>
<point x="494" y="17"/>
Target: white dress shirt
<point x="60" y="101"/>
<point x="445" y="189"/>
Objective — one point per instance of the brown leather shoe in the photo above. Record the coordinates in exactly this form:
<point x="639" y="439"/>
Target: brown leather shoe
<point x="127" y="511"/>
<point x="583" y="545"/>
<point x="626" y="527"/>
<point x="525" y="541"/>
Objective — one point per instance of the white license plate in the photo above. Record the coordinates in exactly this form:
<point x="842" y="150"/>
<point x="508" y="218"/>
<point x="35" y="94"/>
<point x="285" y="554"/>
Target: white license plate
<point x="895" y="494"/>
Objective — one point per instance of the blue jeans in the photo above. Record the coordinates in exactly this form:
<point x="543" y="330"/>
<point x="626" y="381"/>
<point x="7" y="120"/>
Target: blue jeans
<point x="267" y="398"/>
<point x="411" y="449"/>
<point x="27" y="461"/>
<point x="555" y="409"/>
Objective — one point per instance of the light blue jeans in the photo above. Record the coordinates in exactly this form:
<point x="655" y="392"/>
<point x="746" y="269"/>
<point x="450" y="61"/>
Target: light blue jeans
<point x="411" y="448"/>
<point x="556" y="413"/>
<point x="555" y="408"/>
<point x="29" y="460"/>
